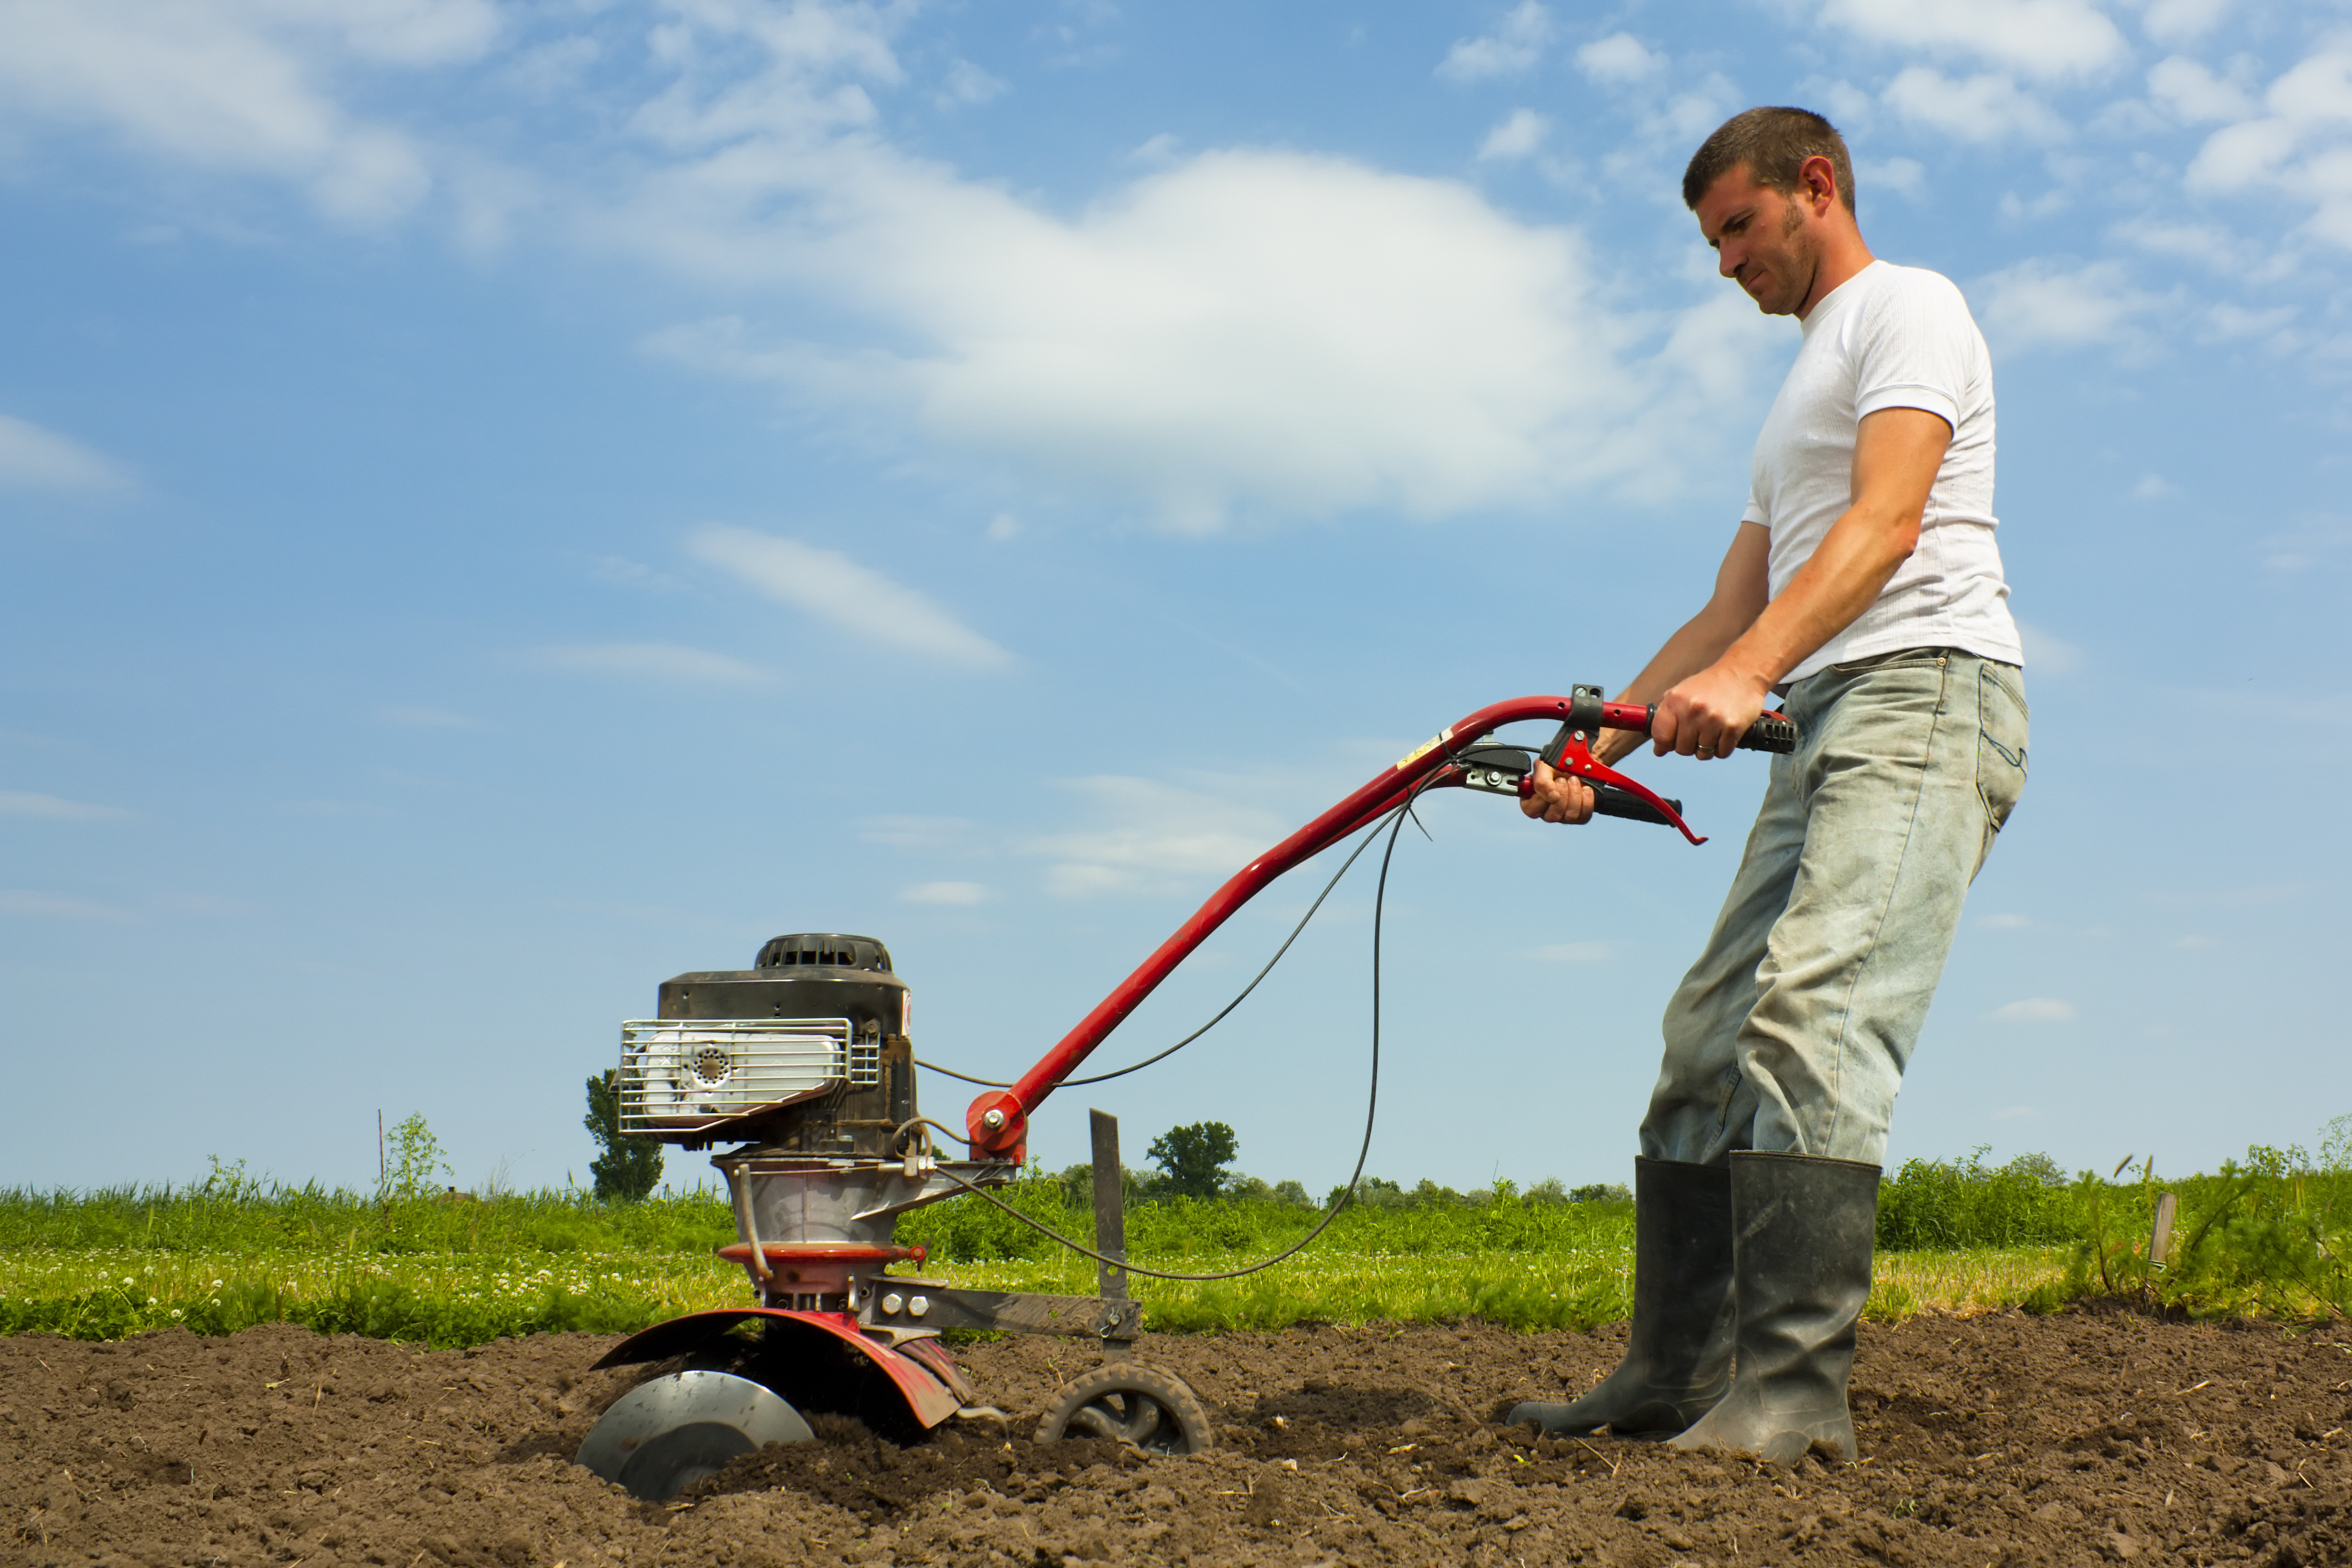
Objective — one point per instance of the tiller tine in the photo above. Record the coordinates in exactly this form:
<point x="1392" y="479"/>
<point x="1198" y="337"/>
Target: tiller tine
<point x="800" y="1364"/>
<point x="664" y="1436"/>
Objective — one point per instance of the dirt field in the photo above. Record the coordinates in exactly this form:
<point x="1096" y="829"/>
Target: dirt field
<point x="1997" y="1440"/>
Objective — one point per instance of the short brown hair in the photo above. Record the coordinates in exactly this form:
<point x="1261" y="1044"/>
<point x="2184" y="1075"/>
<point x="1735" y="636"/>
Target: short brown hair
<point x="1774" y="145"/>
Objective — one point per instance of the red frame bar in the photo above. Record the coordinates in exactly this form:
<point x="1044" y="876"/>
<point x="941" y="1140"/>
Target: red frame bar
<point x="1007" y="1136"/>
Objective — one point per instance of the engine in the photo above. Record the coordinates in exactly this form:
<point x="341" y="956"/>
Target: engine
<point x="806" y="1052"/>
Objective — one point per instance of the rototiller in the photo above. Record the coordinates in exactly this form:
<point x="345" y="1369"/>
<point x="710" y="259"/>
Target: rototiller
<point x="806" y="1061"/>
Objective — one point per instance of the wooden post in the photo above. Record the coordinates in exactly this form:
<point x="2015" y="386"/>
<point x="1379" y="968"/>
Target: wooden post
<point x="1110" y="1206"/>
<point x="2159" y="1239"/>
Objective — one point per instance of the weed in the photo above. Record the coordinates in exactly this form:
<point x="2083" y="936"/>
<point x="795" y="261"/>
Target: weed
<point x="1945" y="1203"/>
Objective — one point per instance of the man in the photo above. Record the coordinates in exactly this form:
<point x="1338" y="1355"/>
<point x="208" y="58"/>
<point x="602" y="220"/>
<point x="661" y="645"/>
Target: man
<point x="1864" y="587"/>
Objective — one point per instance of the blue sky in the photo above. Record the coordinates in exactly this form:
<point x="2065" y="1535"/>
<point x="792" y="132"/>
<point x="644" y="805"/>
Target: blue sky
<point x="504" y="503"/>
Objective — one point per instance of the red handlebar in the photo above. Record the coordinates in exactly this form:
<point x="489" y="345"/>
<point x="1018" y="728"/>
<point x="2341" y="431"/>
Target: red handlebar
<point x="997" y="1123"/>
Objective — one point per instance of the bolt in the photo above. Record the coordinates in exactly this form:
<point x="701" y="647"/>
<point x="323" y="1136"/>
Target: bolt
<point x="918" y="1306"/>
<point x="992" y="1120"/>
<point x="891" y="1303"/>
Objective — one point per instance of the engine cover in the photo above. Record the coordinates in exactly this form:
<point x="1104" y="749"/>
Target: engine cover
<point x="807" y="1051"/>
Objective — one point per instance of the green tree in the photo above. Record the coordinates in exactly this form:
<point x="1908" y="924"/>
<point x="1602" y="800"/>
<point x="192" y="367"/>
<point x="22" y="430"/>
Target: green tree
<point x="626" y="1168"/>
<point x="1195" y="1157"/>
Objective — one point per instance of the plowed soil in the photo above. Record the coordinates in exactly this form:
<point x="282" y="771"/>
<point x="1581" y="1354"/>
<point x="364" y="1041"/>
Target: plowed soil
<point x="2001" y="1440"/>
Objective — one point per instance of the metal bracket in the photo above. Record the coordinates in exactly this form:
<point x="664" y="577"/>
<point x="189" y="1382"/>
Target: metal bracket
<point x="1110" y="1207"/>
<point x="890" y="1304"/>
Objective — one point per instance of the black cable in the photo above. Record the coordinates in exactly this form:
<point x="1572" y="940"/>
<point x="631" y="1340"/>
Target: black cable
<point x="1228" y="1007"/>
<point x="1396" y="819"/>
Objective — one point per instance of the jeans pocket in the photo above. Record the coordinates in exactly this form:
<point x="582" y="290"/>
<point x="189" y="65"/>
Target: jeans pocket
<point x="1906" y="659"/>
<point x="2001" y="723"/>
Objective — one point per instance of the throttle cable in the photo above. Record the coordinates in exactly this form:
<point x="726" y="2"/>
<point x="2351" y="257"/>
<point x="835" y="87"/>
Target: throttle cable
<point x="1221" y="1012"/>
<point x="1395" y="820"/>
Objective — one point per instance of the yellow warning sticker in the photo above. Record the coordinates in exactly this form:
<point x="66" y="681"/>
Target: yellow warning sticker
<point x="1424" y="749"/>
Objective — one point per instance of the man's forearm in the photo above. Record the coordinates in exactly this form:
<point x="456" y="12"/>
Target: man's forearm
<point x="1854" y="562"/>
<point x="1898" y="452"/>
<point x="1700" y="642"/>
<point x="1742" y="584"/>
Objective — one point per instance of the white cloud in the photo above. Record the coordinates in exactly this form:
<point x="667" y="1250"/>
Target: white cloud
<point x="2179" y="21"/>
<point x="1620" y="59"/>
<point x="1575" y="952"/>
<point x="2004" y="923"/>
<point x="2301" y="144"/>
<point x="1905" y="176"/>
<point x="1158" y="151"/>
<point x="2045" y="304"/>
<point x="2153" y="487"/>
<point x="34" y="458"/>
<point x="2192" y="94"/>
<point x="1260" y="329"/>
<point x="1002" y="526"/>
<point x="51" y="808"/>
<point x="1516" y="135"/>
<point x="2046" y="38"/>
<point x="655" y="660"/>
<point x="949" y="893"/>
<point x="1151" y="838"/>
<point x="550" y="70"/>
<point x="1514" y="46"/>
<point x="966" y="84"/>
<point x="1988" y="107"/>
<point x="837" y="589"/>
<point x="2299" y="550"/>
<point x="2208" y="245"/>
<point x="1263" y="331"/>
<point x="240" y="85"/>
<point x="2035" y="1010"/>
<point x="2046" y="652"/>
<point x="2226" y="321"/>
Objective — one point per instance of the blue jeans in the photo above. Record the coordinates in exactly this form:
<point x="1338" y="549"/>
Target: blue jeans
<point x="1791" y="1031"/>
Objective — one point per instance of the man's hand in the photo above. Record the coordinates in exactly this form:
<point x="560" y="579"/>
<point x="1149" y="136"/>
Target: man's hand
<point x="1558" y="796"/>
<point x="1705" y="716"/>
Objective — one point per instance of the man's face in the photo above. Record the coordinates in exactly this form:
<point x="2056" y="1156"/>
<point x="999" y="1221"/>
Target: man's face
<point x="1762" y="241"/>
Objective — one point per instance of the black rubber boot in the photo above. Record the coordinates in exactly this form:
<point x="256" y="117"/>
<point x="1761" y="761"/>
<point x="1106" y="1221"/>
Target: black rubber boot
<point x="1803" y="1228"/>
<point x="1678" y="1361"/>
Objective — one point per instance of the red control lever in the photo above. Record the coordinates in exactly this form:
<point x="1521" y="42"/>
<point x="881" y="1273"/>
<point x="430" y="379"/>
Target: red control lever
<point x="1576" y="758"/>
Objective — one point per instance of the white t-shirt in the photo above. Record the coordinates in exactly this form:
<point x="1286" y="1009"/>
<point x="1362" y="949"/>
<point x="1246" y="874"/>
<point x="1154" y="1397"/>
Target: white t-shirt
<point x="1890" y="337"/>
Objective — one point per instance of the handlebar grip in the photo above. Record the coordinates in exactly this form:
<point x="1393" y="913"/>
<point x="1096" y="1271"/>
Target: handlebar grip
<point x="1609" y="802"/>
<point x="1770" y="732"/>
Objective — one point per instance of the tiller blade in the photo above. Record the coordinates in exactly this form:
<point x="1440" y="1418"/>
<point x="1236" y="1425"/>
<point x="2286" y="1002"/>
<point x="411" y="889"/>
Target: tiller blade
<point x="664" y="1436"/>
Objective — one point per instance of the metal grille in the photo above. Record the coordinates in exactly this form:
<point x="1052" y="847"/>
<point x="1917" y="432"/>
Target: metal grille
<point x="682" y="1077"/>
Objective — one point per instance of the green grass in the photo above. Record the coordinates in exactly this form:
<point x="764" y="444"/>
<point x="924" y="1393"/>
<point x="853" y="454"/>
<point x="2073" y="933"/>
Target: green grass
<point x="2263" y="1238"/>
<point x="226" y="1253"/>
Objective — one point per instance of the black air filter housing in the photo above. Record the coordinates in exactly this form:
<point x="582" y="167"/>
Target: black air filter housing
<point x="804" y="975"/>
<point x="811" y="975"/>
<point x="831" y="950"/>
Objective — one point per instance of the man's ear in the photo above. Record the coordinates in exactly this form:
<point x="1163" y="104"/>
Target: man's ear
<point x="1818" y="178"/>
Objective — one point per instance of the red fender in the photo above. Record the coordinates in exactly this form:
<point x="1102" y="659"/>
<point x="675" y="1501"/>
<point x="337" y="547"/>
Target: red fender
<point x="928" y="1397"/>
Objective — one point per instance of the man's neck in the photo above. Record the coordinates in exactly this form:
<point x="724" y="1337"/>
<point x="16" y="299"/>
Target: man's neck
<point x="1843" y="257"/>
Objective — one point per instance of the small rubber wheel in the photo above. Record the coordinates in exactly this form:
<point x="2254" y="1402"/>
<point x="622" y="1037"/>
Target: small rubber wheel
<point x="1156" y="1411"/>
